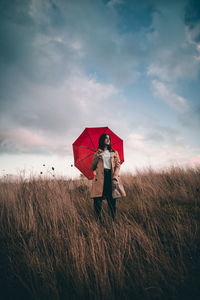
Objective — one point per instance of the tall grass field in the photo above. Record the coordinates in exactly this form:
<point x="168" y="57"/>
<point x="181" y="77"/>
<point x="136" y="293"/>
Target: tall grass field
<point x="52" y="246"/>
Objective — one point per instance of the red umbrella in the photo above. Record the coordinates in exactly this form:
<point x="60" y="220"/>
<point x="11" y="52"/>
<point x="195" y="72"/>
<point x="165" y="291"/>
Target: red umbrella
<point x="87" y="143"/>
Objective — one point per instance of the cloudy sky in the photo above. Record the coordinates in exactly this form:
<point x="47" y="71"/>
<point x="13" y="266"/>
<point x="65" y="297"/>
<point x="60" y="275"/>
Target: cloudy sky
<point x="133" y="66"/>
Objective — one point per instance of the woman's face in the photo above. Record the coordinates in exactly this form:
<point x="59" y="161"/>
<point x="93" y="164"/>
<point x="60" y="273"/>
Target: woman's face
<point x="107" y="140"/>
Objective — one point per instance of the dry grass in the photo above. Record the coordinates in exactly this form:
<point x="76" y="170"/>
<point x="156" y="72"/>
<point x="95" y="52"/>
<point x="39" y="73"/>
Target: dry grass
<point x="51" y="246"/>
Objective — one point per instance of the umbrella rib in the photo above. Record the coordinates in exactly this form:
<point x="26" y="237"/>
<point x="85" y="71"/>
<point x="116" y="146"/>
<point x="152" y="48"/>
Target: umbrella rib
<point x="116" y="143"/>
<point x="90" y="140"/>
<point x="85" y="157"/>
<point x="86" y="147"/>
<point x="105" y="129"/>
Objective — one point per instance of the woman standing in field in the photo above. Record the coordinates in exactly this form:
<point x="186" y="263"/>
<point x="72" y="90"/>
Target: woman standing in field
<point x="106" y="183"/>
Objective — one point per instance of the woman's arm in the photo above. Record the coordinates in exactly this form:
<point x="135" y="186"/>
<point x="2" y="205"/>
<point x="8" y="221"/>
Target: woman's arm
<point x="94" y="161"/>
<point x="117" y="165"/>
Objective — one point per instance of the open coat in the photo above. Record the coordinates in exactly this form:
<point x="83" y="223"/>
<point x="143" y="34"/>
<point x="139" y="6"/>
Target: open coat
<point x="98" y="180"/>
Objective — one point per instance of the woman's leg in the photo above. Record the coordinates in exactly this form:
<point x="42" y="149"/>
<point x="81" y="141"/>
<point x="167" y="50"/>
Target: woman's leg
<point x="112" y="206"/>
<point x="97" y="207"/>
<point x="108" y="192"/>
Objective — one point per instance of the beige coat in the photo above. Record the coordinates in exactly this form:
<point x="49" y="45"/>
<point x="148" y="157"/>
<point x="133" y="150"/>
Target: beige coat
<point x="98" y="180"/>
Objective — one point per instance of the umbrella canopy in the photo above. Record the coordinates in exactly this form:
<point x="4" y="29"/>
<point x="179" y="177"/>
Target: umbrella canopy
<point x="87" y="143"/>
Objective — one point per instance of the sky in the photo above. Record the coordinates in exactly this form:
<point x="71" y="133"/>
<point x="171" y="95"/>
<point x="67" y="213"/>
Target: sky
<point x="133" y="66"/>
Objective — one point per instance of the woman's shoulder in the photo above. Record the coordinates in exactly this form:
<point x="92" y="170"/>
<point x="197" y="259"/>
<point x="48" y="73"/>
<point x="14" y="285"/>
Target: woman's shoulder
<point x="115" y="151"/>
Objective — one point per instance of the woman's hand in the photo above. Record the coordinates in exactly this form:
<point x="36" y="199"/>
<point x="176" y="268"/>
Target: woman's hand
<point x="99" y="154"/>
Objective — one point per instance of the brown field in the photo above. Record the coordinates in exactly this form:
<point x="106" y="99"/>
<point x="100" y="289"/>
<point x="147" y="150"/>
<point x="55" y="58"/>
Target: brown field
<point x="52" y="247"/>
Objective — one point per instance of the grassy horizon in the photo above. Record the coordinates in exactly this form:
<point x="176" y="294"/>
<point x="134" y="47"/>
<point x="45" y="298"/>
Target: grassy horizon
<point x="52" y="247"/>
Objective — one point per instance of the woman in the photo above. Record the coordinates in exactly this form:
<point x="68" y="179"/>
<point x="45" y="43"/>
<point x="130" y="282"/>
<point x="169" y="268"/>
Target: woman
<point x="106" y="183"/>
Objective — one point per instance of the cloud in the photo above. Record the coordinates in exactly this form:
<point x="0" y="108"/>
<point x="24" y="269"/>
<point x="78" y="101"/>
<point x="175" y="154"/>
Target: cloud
<point x="51" y="116"/>
<point x="159" y="147"/>
<point x="65" y="66"/>
<point x="177" y="102"/>
<point x="136" y="142"/>
<point x="53" y="38"/>
<point x="154" y="136"/>
<point x="174" y="52"/>
<point x="21" y="140"/>
<point x="164" y="135"/>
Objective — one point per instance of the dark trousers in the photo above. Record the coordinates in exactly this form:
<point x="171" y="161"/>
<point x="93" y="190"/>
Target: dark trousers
<point x="107" y="194"/>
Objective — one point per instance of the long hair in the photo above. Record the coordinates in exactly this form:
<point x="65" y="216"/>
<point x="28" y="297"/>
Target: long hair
<point x="102" y="142"/>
